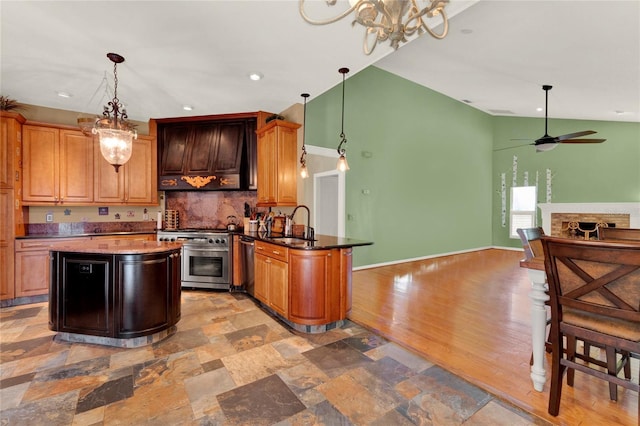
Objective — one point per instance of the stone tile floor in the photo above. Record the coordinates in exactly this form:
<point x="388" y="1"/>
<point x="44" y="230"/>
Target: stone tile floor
<point x="230" y="363"/>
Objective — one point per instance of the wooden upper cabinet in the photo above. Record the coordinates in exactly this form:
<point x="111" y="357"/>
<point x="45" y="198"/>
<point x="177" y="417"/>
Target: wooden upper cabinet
<point x="135" y="182"/>
<point x="277" y="164"/>
<point x="57" y="166"/>
<point x="10" y="149"/>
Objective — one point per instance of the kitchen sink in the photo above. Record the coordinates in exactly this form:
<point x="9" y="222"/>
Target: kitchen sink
<point x="292" y="240"/>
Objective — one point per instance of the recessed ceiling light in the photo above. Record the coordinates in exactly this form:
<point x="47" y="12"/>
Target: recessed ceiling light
<point x="187" y="107"/>
<point x="64" y="94"/>
<point x="255" y="76"/>
<point x="539" y="109"/>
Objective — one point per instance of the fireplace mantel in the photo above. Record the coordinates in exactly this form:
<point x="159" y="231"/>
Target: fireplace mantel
<point x="632" y="209"/>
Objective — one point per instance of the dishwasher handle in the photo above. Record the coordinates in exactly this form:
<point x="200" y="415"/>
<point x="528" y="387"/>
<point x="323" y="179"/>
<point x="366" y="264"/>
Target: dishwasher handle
<point x="246" y="241"/>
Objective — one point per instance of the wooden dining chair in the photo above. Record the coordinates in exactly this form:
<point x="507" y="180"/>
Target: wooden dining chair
<point x="594" y="288"/>
<point x="630" y="234"/>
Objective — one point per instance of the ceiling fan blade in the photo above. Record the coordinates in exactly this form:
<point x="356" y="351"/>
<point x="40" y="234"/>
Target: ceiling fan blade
<point x="582" y="141"/>
<point x="576" y="134"/>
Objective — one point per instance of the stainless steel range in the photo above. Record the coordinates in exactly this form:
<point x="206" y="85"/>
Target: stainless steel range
<point x="205" y="257"/>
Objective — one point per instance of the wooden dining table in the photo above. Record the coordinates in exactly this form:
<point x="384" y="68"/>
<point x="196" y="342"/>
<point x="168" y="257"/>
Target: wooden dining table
<point x="538" y="297"/>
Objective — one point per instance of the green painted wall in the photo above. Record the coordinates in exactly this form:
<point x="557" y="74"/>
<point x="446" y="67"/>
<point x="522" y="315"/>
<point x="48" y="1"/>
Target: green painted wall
<point x="607" y="172"/>
<point x="424" y="159"/>
<point x="431" y="166"/>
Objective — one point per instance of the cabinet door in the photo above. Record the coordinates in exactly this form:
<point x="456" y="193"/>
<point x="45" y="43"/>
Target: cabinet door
<point x="229" y="149"/>
<point x="346" y="266"/>
<point x="311" y="285"/>
<point x="203" y="145"/>
<point x="139" y="279"/>
<point x="174" y="149"/>
<point x="83" y="296"/>
<point x="108" y="185"/>
<point x="141" y="180"/>
<point x="262" y="267"/>
<point x="267" y="150"/>
<point x="176" y="285"/>
<point x="6" y="244"/>
<point x="10" y="145"/>
<point x="287" y="167"/>
<point x="279" y="287"/>
<point x="41" y="179"/>
<point x="76" y="167"/>
<point x="32" y="273"/>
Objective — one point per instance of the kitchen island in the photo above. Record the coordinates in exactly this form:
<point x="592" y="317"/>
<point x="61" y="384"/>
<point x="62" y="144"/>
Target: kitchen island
<point x="115" y="292"/>
<point x="306" y="283"/>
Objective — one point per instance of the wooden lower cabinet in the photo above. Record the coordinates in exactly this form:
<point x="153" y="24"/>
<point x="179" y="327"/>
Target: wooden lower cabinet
<point x="33" y="264"/>
<point x="307" y="287"/>
<point x="6" y="244"/>
<point x="271" y="277"/>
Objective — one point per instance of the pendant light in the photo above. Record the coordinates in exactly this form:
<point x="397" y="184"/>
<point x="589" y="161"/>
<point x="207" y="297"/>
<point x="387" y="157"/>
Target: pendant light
<point x="342" y="166"/>
<point x="115" y="132"/>
<point x="304" y="173"/>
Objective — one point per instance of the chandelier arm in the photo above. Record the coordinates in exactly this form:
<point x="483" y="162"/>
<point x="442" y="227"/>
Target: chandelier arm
<point x="365" y="45"/>
<point x="328" y="21"/>
<point x="445" y="29"/>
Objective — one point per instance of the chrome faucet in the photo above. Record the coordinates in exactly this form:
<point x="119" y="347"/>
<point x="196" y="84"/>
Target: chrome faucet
<point x="310" y="234"/>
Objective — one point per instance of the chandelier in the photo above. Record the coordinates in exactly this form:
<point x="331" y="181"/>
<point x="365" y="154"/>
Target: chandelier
<point x="115" y="132"/>
<point x="392" y="20"/>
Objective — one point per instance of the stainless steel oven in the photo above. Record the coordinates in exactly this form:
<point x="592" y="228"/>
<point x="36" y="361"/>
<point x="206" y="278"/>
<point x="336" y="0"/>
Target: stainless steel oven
<point x="205" y="257"/>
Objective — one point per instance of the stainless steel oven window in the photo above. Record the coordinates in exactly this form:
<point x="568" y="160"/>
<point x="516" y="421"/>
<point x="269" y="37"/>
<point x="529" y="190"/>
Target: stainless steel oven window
<point x="205" y="265"/>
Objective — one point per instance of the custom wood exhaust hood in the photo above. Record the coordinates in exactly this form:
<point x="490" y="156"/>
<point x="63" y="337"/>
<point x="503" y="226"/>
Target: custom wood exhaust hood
<point x="207" y="153"/>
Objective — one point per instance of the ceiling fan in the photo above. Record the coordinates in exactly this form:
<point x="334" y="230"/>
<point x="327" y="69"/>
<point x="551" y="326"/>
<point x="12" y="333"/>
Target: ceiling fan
<point x="547" y="143"/>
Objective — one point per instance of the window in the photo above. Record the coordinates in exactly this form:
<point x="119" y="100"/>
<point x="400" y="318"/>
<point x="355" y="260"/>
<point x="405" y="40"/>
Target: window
<point x="523" y="208"/>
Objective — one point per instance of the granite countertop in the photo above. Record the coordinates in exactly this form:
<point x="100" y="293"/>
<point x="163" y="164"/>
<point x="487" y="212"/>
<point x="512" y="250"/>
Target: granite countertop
<point x="320" y="242"/>
<point x="86" y="234"/>
<point x="116" y="246"/>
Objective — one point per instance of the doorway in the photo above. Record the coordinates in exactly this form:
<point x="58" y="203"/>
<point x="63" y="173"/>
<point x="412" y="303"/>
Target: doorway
<point x="328" y="202"/>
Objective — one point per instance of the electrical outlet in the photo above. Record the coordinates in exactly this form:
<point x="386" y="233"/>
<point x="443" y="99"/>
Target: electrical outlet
<point x="49" y="217"/>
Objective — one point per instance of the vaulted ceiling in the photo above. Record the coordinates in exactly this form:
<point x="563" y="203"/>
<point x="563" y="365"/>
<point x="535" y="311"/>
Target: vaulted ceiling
<point x="496" y="57"/>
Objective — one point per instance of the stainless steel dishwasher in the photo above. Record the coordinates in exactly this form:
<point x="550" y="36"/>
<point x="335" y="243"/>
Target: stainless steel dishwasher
<point x="246" y="264"/>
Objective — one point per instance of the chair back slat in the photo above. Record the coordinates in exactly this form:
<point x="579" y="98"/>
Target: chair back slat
<point x="530" y="238"/>
<point x="594" y="276"/>
<point x="629" y="234"/>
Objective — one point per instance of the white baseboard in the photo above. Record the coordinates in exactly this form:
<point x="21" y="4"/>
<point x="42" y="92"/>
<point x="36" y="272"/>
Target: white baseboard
<point x="396" y="262"/>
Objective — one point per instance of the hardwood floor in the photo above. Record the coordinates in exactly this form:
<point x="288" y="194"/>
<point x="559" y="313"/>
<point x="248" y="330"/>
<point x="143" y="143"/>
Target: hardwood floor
<point x="470" y="314"/>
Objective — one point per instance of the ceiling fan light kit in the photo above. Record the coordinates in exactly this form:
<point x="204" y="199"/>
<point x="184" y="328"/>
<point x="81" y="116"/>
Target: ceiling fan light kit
<point x="547" y="143"/>
<point x="392" y="20"/>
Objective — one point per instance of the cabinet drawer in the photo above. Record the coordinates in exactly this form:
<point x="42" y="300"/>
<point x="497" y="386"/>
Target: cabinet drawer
<point x="45" y="244"/>
<point x="272" y="250"/>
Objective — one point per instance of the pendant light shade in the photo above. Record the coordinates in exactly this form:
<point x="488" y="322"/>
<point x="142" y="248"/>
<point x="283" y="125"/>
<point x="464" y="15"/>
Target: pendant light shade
<point x="115" y="132"/>
<point x="342" y="166"/>
<point x="304" y="173"/>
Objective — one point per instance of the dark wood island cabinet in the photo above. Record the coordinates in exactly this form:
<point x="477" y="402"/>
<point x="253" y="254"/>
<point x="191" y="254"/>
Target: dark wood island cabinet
<point x="116" y="293"/>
